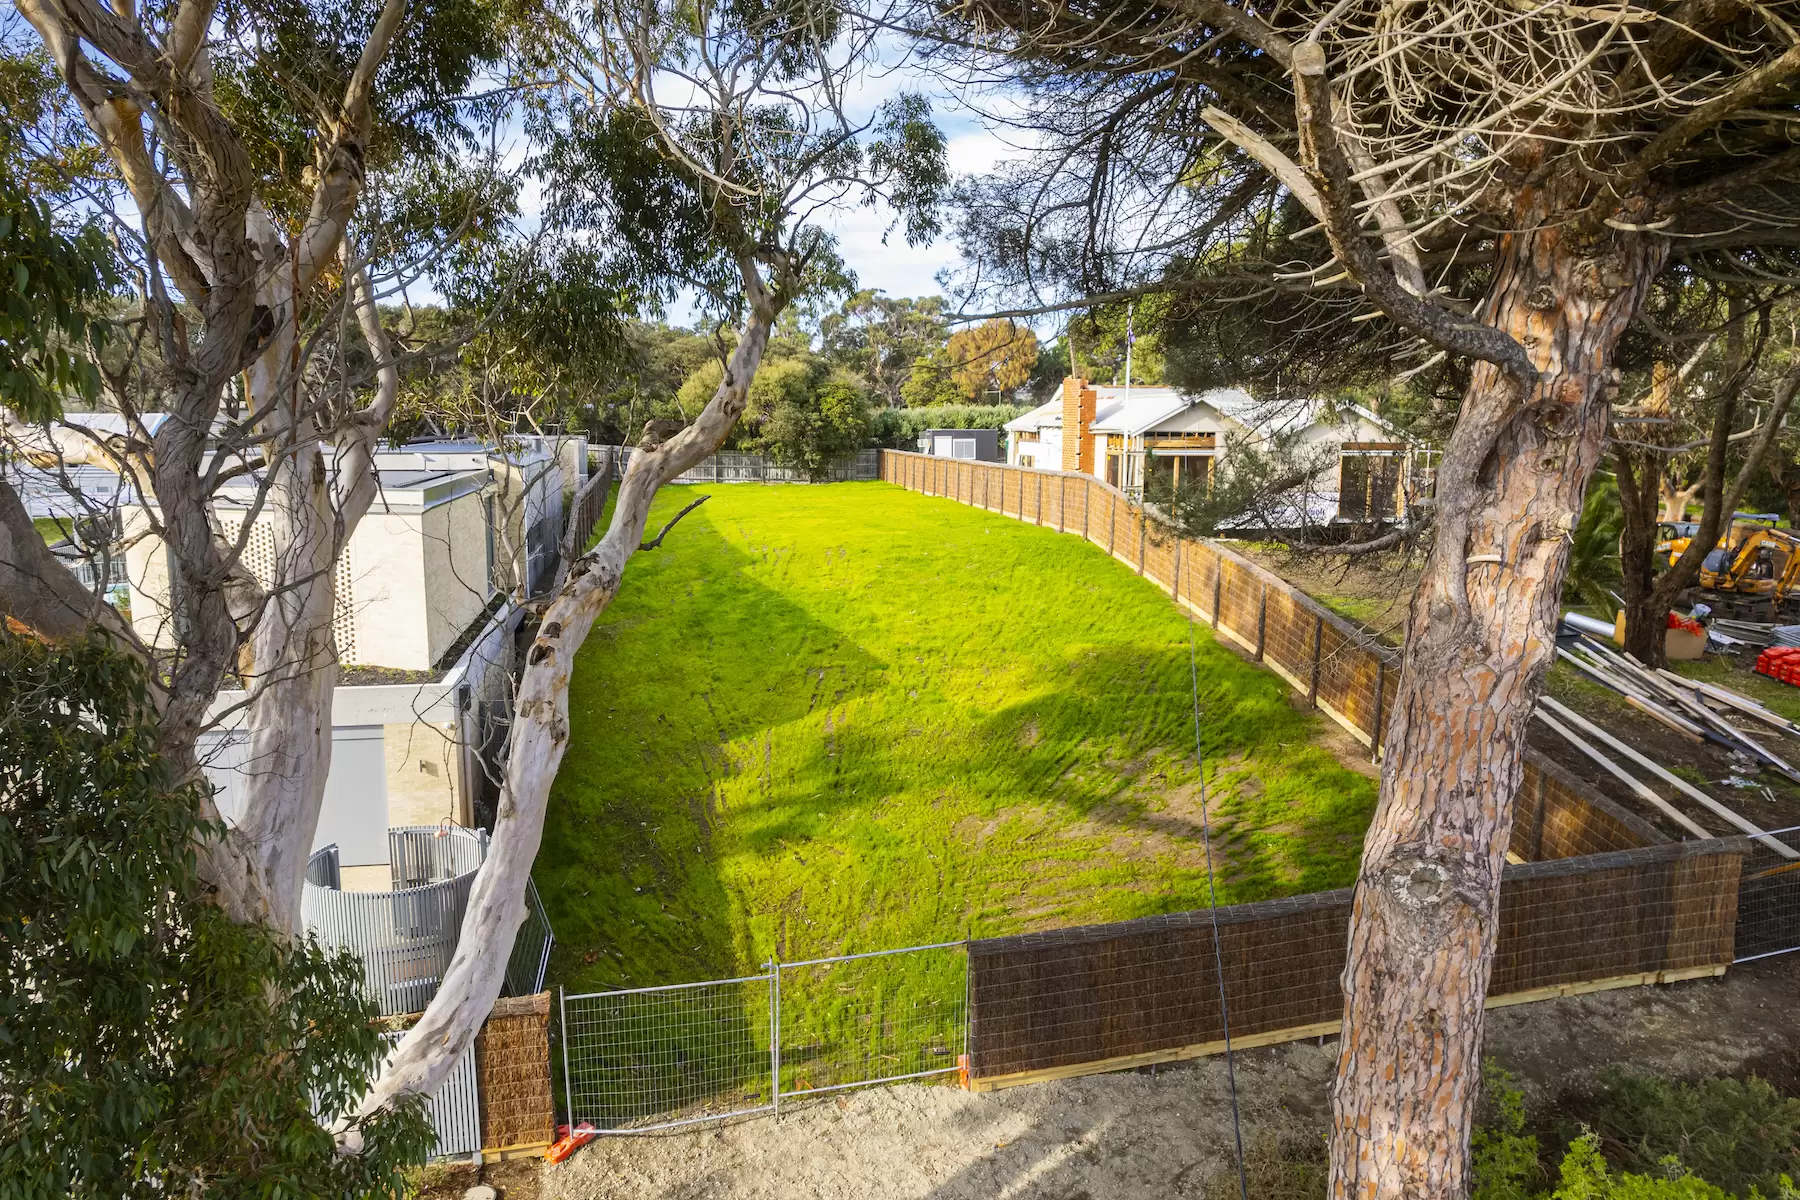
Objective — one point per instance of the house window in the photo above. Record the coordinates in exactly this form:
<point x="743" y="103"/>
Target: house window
<point x="1368" y="486"/>
<point x="1112" y="469"/>
<point x="1181" y="472"/>
<point x="963" y="448"/>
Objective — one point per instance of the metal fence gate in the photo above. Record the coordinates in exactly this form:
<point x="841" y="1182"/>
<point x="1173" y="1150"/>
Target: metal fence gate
<point x="640" y="1059"/>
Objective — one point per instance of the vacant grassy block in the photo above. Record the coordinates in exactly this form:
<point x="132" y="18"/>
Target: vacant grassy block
<point x="831" y="719"/>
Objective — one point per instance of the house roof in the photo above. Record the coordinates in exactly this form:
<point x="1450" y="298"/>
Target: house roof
<point x="1148" y="407"/>
<point x="1044" y="414"/>
<point x="1135" y="410"/>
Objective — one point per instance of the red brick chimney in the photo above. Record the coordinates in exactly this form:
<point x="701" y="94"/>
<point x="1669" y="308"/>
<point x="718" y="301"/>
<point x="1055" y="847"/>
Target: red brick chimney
<point x="1078" y="421"/>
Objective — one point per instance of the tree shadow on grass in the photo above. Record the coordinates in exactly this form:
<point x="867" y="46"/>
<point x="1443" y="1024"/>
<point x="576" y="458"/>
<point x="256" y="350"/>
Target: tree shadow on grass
<point x="693" y="660"/>
<point x="1076" y="802"/>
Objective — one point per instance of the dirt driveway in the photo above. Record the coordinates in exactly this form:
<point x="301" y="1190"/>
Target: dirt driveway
<point x="1164" y="1132"/>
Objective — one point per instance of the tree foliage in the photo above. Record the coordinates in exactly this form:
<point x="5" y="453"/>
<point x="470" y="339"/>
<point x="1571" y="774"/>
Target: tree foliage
<point x="52" y="324"/>
<point x="994" y="358"/>
<point x="149" y="1045"/>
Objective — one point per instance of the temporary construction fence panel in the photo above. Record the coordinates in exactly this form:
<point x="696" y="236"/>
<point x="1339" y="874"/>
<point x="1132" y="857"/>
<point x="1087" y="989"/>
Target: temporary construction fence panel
<point x="530" y="959"/>
<point x="1768" y="920"/>
<point x="642" y="1059"/>
<point x="870" y="1018"/>
<point x="1100" y="998"/>
<point x="653" y="1058"/>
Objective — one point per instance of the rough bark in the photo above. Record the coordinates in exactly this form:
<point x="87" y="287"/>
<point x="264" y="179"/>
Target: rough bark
<point x="1640" y="474"/>
<point x="540" y="732"/>
<point x="1482" y="624"/>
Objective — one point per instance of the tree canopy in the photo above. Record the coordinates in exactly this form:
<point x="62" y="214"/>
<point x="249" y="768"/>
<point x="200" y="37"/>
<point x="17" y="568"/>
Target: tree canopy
<point x="149" y="1044"/>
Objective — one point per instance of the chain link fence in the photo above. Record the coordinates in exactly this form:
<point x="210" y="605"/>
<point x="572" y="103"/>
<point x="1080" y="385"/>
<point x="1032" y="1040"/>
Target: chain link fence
<point x="642" y="1059"/>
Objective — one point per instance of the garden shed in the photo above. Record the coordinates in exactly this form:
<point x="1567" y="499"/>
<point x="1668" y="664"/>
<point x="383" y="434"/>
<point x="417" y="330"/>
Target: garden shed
<point x="980" y="445"/>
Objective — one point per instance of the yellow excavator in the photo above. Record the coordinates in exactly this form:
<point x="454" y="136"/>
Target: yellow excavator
<point x="1753" y="574"/>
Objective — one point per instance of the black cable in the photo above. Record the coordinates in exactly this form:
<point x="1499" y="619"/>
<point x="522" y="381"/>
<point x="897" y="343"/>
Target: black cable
<point x="1212" y="898"/>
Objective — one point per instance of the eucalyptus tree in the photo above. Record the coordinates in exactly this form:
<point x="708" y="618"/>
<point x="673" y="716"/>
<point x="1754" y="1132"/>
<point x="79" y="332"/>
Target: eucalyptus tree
<point x="1475" y="186"/>
<point x="704" y="140"/>
<point x="261" y="169"/>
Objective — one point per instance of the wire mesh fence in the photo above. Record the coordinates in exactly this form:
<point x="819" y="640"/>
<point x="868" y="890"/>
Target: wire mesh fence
<point x="653" y="1058"/>
<point x="871" y="1018"/>
<point x="642" y="1059"/>
<point x="1768" y="915"/>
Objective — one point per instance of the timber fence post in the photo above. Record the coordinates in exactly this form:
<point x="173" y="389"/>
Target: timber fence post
<point x="1143" y="535"/>
<point x="1040" y="506"/>
<point x="1380" y="695"/>
<point x="1262" y="618"/>
<point x="1218" y="585"/>
<point x="1312" y="694"/>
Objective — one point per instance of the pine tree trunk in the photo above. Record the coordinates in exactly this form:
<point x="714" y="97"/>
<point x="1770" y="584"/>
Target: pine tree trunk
<point x="1481" y="637"/>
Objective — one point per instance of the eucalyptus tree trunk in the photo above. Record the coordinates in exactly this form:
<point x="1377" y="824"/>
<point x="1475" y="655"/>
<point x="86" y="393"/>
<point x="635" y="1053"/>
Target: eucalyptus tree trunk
<point x="322" y="484"/>
<point x="1481" y="637"/>
<point x="540" y="730"/>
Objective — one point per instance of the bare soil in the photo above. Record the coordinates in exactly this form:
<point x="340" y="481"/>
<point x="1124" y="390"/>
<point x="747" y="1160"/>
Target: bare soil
<point x="1158" y="1132"/>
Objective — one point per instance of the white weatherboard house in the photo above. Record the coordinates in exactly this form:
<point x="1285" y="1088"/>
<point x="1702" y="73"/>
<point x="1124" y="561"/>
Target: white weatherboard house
<point x="425" y="603"/>
<point x="1124" y="434"/>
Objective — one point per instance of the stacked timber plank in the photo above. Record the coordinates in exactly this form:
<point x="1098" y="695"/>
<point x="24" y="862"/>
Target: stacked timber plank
<point x="1695" y="711"/>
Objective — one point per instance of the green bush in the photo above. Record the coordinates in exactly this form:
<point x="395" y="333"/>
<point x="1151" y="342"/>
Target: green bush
<point x="1738" y="1134"/>
<point x="149" y="1046"/>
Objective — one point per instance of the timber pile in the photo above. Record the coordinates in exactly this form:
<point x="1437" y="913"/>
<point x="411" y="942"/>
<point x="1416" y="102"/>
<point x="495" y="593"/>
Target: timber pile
<point x="1698" y="712"/>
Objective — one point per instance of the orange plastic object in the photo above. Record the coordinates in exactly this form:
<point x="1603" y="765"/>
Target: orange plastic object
<point x="570" y="1141"/>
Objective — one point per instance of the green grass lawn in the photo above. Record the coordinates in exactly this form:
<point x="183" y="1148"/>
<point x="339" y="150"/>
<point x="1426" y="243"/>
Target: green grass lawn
<point x="51" y="529"/>
<point x="843" y="718"/>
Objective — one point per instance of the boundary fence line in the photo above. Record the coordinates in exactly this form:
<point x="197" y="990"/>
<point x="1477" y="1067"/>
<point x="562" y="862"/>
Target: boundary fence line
<point x="1340" y="669"/>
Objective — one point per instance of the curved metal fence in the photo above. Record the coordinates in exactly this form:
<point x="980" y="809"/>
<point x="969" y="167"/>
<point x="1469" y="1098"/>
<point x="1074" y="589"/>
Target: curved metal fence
<point x="406" y="937"/>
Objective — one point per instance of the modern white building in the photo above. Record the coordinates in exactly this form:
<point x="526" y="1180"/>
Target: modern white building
<point x="427" y="601"/>
<point x="1124" y="435"/>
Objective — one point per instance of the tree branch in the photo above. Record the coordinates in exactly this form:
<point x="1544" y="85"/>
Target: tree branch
<point x="1439" y="326"/>
<point x="656" y="541"/>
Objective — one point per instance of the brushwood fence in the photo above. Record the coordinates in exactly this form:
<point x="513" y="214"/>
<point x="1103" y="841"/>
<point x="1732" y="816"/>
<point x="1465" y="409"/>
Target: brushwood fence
<point x="1343" y="671"/>
<point x="998" y="1012"/>
<point x="1076" y="1001"/>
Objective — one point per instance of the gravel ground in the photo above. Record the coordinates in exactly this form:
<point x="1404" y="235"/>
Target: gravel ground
<point x="1162" y="1132"/>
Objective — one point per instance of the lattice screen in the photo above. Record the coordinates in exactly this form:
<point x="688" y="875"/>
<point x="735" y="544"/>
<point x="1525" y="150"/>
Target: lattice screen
<point x="259" y="558"/>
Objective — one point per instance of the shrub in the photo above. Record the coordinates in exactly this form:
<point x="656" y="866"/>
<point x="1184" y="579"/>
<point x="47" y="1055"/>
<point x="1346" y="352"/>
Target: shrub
<point x="1738" y="1134"/>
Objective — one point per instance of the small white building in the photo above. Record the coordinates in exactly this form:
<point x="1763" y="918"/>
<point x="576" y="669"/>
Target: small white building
<point x="1125" y="434"/>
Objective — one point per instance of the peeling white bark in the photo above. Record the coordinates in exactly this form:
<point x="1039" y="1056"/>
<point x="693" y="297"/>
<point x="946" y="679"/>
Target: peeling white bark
<point x="540" y="735"/>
